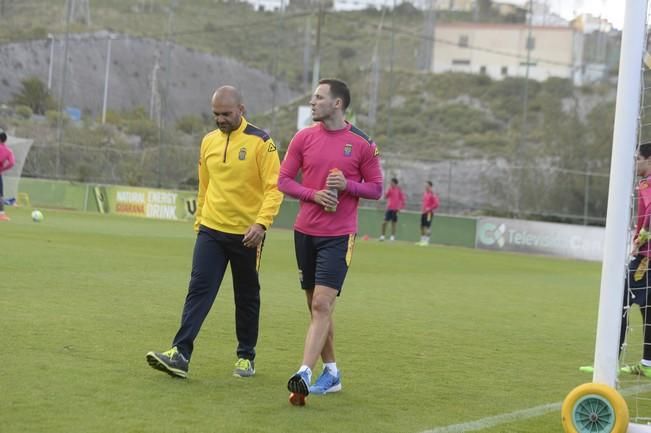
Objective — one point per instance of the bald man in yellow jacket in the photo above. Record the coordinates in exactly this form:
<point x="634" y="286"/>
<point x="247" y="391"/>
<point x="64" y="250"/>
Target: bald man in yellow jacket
<point x="237" y="201"/>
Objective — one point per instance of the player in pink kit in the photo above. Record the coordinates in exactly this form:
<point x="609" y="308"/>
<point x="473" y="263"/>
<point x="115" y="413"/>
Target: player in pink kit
<point x="395" y="202"/>
<point x="7" y="161"/>
<point x="429" y="204"/>
<point x="637" y="284"/>
<point x="324" y="238"/>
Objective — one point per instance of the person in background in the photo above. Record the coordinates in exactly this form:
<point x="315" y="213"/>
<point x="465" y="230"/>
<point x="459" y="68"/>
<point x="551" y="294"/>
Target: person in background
<point x="339" y="165"/>
<point x="7" y="161"/>
<point x="395" y="202"/>
<point x="237" y="201"/>
<point x="637" y="281"/>
<point x="637" y="284"/>
<point x="429" y="204"/>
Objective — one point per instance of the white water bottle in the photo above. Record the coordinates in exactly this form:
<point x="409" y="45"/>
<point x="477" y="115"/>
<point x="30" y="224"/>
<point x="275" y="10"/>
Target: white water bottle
<point x="334" y="192"/>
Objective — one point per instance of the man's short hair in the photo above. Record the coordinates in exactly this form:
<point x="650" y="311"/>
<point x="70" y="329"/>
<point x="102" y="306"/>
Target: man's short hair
<point x="394" y="180"/>
<point x="3" y="136"/>
<point x="338" y="89"/>
<point x="645" y="150"/>
<point x="429" y="182"/>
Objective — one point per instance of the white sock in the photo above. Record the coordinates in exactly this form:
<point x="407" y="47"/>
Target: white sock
<point x="392" y="238"/>
<point x="645" y="363"/>
<point x="332" y="367"/>
<point x="309" y="372"/>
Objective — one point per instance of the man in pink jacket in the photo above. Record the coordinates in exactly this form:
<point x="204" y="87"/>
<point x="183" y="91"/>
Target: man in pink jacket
<point x="429" y="205"/>
<point x="7" y="161"/>
<point x="339" y="164"/>
<point x="395" y="202"/>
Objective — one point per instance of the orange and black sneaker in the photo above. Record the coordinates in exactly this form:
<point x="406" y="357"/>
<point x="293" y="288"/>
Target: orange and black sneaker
<point x="299" y="387"/>
<point x="297" y="399"/>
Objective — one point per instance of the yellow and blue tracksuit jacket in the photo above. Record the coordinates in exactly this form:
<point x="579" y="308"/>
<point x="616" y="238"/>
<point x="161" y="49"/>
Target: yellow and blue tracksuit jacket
<point x="238" y="180"/>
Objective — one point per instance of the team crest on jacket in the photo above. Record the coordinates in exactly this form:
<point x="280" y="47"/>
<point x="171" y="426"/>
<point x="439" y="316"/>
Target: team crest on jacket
<point x="242" y="154"/>
<point x="348" y="150"/>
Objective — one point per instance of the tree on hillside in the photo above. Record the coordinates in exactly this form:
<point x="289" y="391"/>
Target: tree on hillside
<point x="35" y="95"/>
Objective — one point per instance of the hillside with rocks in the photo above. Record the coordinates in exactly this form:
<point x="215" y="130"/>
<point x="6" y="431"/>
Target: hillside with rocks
<point x="467" y="133"/>
<point x="192" y="75"/>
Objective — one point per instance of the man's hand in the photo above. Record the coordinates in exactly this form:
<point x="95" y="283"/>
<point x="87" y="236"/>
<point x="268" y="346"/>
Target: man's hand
<point x="325" y="198"/>
<point x="254" y="236"/>
<point x="336" y="180"/>
<point x="643" y="237"/>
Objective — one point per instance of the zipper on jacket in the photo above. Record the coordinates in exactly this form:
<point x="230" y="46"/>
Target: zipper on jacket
<point x="228" y="138"/>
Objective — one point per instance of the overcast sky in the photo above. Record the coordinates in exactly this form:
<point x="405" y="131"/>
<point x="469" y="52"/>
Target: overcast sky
<point x="613" y="10"/>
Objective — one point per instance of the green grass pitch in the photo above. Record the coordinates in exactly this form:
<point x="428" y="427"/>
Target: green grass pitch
<point x="426" y="337"/>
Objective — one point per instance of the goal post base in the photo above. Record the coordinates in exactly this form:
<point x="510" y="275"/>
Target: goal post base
<point x="594" y="408"/>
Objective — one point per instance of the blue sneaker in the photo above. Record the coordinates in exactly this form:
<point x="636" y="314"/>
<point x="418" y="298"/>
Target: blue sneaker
<point x="299" y="384"/>
<point x="326" y="383"/>
<point x="171" y="362"/>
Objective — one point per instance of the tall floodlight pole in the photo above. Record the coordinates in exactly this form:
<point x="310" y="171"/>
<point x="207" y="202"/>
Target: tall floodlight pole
<point x="317" y="51"/>
<point x="106" y="76"/>
<point x="427" y="43"/>
<point x="525" y="98"/>
<point x="525" y="101"/>
<point x="63" y="88"/>
<point x="154" y="99"/>
<point x="50" y="38"/>
<point x="307" y="41"/>
<point x="274" y="84"/>
<point x="375" y="78"/>
<point x="165" y="99"/>
<point x="391" y="62"/>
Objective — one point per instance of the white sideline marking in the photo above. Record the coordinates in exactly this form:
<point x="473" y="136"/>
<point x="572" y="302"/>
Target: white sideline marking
<point x="518" y="415"/>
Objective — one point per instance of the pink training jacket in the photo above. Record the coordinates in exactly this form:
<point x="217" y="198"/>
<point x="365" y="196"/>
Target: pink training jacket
<point x="315" y="151"/>
<point x="430" y="202"/>
<point x="643" y="214"/>
<point x="7" y="159"/>
<point x="395" y="198"/>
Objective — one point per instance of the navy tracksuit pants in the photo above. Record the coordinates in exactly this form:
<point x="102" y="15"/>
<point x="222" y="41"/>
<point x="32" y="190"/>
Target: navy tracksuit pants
<point x="213" y="251"/>
<point x="637" y="290"/>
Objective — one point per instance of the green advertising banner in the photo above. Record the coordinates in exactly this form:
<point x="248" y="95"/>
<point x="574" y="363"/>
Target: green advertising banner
<point x="182" y="206"/>
<point x="146" y="202"/>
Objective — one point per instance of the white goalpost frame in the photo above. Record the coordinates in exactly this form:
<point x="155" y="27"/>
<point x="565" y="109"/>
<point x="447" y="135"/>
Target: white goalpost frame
<point x="619" y="198"/>
<point x="11" y="178"/>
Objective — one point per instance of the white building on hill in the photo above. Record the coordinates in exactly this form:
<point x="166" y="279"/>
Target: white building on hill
<point x="268" y="5"/>
<point x="500" y="50"/>
<point x="358" y="5"/>
<point x="441" y="5"/>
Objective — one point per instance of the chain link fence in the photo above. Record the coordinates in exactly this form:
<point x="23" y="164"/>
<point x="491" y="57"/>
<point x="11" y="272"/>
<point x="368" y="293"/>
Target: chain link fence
<point x="465" y="187"/>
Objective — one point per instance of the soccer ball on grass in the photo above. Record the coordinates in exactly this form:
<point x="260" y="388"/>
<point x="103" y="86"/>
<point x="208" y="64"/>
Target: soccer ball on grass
<point x="37" y="216"/>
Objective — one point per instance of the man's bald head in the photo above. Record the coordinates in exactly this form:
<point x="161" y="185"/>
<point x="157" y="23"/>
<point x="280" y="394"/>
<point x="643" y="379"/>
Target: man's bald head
<point x="227" y="108"/>
<point x="228" y="93"/>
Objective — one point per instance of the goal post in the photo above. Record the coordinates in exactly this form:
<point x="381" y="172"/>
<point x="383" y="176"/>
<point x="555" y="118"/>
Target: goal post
<point x="598" y="406"/>
<point x="622" y="172"/>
